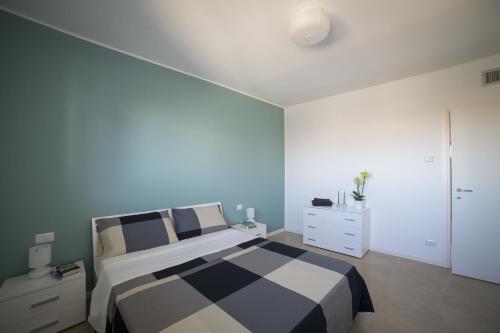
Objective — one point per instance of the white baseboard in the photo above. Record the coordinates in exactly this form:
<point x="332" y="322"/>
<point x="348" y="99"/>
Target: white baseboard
<point x="406" y="256"/>
<point x="388" y="252"/>
<point x="275" y="232"/>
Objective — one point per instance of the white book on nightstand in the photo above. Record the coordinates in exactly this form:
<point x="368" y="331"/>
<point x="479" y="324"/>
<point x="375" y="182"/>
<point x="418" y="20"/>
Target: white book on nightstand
<point x="260" y="229"/>
<point x="42" y="305"/>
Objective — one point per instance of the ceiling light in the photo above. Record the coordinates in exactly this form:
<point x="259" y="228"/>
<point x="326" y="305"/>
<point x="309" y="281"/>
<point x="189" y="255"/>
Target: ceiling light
<point x="309" y="26"/>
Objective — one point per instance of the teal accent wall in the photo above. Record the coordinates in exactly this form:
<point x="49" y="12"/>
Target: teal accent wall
<point x="86" y="131"/>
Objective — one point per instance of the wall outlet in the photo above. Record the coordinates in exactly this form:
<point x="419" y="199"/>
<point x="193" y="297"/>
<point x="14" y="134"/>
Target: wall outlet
<point x="429" y="158"/>
<point x="44" y="238"/>
<point x="430" y="242"/>
<point x="239" y="207"/>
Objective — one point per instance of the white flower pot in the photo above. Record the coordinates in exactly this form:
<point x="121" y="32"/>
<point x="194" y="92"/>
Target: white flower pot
<point x="359" y="204"/>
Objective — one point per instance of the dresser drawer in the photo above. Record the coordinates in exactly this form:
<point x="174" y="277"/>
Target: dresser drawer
<point x="331" y="229"/>
<point x="318" y="225"/>
<point x="51" y="321"/>
<point x="21" y="308"/>
<point x="315" y="239"/>
<point x="317" y="214"/>
<point x="347" y="219"/>
<point x="333" y="244"/>
<point x="347" y="247"/>
<point x="351" y="234"/>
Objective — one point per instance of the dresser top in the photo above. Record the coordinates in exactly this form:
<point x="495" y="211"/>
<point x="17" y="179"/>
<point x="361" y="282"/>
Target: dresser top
<point x="21" y="285"/>
<point x="349" y="209"/>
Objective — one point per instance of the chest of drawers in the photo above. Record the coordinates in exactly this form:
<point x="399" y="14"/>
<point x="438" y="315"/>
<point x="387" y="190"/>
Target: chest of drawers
<point x="42" y="305"/>
<point x="344" y="230"/>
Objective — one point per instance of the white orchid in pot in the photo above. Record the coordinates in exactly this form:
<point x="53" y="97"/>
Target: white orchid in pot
<point x="358" y="195"/>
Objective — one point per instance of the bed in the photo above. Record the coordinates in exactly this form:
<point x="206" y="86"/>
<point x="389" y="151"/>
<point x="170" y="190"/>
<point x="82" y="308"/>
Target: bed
<point x="224" y="281"/>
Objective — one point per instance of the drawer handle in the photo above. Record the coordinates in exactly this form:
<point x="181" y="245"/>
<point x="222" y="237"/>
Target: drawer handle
<point x="350" y="220"/>
<point x="45" y="301"/>
<point x="348" y="248"/>
<point x="44" y="326"/>
<point x="349" y="234"/>
<point x="312" y="214"/>
<point x="311" y="226"/>
<point x="311" y="239"/>
<point x="258" y="235"/>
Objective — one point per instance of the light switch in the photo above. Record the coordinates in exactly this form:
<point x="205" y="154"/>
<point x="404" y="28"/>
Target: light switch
<point x="239" y="207"/>
<point x="49" y="237"/>
<point x="44" y="238"/>
<point x="430" y="242"/>
<point x="429" y="158"/>
<point x="40" y="238"/>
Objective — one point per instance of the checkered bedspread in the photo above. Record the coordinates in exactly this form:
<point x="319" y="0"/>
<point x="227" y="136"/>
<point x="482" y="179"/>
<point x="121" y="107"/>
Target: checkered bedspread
<point x="257" y="286"/>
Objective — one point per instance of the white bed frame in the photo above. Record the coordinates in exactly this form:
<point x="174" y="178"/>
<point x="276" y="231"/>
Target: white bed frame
<point x="96" y="243"/>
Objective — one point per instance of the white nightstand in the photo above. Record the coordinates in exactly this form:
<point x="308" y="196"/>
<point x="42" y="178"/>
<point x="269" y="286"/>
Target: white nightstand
<point x="260" y="231"/>
<point x="42" y="305"/>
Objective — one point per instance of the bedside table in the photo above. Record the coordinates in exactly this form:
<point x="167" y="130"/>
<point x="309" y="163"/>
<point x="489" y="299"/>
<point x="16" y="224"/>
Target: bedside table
<point x="260" y="231"/>
<point x="42" y="305"/>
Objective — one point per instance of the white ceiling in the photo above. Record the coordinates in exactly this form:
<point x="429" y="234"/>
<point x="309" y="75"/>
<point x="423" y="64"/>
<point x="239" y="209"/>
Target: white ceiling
<point x="245" y="45"/>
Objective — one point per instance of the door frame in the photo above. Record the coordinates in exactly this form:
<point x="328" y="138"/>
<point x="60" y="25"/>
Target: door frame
<point x="447" y="158"/>
<point x="447" y="155"/>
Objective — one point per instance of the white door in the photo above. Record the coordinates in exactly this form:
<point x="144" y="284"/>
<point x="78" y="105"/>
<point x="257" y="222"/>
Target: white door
<point x="475" y="237"/>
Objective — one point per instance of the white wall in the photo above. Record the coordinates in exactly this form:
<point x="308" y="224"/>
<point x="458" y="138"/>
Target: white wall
<point x="386" y="129"/>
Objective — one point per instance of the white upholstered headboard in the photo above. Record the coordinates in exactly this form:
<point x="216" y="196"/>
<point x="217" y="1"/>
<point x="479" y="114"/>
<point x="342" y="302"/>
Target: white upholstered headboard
<point x="96" y="243"/>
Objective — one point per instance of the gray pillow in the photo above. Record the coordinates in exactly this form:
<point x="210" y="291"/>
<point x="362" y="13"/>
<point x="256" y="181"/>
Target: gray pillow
<point x="131" y="233"/>
<point x="196" y="221"/>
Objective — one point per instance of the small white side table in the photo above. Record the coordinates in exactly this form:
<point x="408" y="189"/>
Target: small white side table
<point x="42" y="305"/>
<point x="260" y="231"/>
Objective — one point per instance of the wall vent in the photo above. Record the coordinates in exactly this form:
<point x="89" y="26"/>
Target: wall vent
<point x="491" y="76"/>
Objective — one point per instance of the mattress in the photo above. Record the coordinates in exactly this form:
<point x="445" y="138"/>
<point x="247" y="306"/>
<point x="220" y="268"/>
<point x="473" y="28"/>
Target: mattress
<point x="228" y="281"/>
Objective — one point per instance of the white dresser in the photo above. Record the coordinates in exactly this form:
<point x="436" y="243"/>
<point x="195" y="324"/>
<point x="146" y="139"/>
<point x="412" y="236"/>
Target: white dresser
<point x="340" y="229"/>
<point x="42" y="305"/>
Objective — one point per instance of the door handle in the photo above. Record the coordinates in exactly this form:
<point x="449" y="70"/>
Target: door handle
<point x="462" y="190"/>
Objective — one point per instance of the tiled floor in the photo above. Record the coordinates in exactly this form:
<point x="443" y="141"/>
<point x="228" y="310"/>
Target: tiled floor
<point x="412" y="297"/>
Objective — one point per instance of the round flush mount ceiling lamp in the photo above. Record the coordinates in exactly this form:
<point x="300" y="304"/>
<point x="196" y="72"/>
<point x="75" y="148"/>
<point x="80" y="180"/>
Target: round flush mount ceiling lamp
<point x="309" y="25"/>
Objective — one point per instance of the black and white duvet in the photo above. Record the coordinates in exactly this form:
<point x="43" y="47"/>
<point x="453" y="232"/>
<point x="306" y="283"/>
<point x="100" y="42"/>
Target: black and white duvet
<point x="254" y="286"/>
